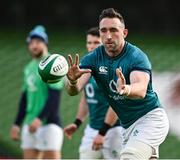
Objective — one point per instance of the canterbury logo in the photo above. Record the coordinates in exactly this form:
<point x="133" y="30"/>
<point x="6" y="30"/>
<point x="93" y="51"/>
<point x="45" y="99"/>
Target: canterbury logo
<point x="103" y="70"/>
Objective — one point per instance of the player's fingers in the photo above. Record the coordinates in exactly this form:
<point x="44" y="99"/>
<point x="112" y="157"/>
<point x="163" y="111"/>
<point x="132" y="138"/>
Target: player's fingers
<point x="96" y="147"/>
<point x="66" y="134"/>
<point x="77" y="59"/>
<point x="118" y="72"/>
<point x="31" y="129"/>
<point x="121" y="92"/>
<point x="120" y="76"/>
<point x="69" y="136"/>
<point x="16" y="138"/>
<point x="118" y="85"/>
<point x="70" y="60"/>
<point x="83" y="71"/>
<point x="65" y="131"/>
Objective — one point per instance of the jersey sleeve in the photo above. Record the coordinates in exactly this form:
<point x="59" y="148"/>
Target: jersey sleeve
<point x="24" y="85"/>
<point x="88" y="61"/>
<point x="58" y="86"/>
<point x="141" y="63"/>
<point x="51" y="104"/>
<point x="21" y="109"/>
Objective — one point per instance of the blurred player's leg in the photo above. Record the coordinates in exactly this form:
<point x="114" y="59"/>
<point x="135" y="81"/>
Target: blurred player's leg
<point x="90" y="154"/>
<point x="51" y="155"/>
<point x="50" y="139"/>
<point x="112" y="144"/>
<point x="85" y="151"/>
<point x="28" y="144"/>
<point x="31" y="154"/>
<point x="136" y="150"/>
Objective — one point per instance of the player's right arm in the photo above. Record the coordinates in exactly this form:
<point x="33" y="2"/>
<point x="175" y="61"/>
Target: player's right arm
<point x="70" y="129"/>
<point x="76" y="77"/>
<point x="83" y="108"/>
<point x="15" y="130"/>
<point x="110" y="119"/>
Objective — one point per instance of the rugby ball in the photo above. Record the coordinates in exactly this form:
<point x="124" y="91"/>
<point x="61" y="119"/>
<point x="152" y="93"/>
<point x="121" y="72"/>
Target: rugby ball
<point x="53" y="68"/>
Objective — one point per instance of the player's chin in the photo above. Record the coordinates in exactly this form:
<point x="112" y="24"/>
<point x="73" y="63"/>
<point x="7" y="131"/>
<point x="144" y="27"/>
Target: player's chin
<point x="36" y="54"/>
<point x="110" y="49"/>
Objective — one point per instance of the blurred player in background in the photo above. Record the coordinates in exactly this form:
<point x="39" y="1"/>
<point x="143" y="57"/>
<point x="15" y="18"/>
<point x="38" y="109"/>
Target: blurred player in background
<point x="123" y="72"/>
<point x="39" y="106"/>
<point x="94" y="105"/>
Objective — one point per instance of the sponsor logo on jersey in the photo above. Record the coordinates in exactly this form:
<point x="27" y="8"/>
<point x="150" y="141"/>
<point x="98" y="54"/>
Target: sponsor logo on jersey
<point x="117" y="97"/>
<point x="103" y="70"/>
<point x="113" y="88"/>
<point x="92" y="101"/>
<point x="31" y="82"/>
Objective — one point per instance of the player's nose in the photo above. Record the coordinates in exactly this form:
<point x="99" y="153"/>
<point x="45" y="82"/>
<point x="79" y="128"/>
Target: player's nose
<point x="109" y="35"/>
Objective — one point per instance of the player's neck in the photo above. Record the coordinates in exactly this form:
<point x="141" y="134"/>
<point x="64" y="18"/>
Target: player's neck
<point x="40" y="56"/>
<point x="116" y="52"/>
<point x="45" y="53"/>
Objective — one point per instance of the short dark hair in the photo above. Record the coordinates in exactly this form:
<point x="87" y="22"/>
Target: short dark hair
<point x="94" y="31"/>
<point x="111" y="13"/>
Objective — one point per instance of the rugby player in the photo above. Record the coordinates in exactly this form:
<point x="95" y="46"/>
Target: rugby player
<point x="123" y="72"/>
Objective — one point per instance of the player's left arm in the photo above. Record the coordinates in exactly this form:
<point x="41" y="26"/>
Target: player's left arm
<point x="51" y="104"/>
<point x="15" y="130"/>
<point x="138" y="84"/>
<point x="110" y="119"/>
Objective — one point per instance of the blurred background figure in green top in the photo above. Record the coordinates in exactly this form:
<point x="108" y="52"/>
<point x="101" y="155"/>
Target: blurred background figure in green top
<point x="41" y="134"/>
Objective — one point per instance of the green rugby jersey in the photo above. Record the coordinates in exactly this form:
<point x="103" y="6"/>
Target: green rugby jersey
<point x="104" y="71"/>
<point x="36" y="89"/>
<point x="97" y="105"/>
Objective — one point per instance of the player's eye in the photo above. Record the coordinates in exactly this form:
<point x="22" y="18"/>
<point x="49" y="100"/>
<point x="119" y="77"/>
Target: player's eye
<point x="103" y="30"/>
<point x="96" y="42"/>
<point x="113" y="30"/>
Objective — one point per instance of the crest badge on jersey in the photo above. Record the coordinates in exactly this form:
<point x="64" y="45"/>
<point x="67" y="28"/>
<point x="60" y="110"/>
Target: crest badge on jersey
<point x="103" y="70"/>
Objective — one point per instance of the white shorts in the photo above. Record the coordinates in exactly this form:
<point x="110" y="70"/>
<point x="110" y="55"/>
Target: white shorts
<point x="111" y="148"/>
<point x="151" y="129"/>
<point x="47" y="138"/>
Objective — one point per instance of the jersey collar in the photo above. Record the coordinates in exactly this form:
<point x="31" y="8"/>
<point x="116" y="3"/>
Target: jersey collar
<point x="119" y="55"/>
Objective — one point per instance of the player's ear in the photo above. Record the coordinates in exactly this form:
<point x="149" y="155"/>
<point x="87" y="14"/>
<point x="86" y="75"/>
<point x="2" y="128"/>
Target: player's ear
<point x="125" y="32"/>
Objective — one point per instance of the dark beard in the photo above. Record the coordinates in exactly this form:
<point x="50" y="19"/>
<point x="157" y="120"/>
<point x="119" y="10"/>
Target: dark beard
<point x="37" y="55"/>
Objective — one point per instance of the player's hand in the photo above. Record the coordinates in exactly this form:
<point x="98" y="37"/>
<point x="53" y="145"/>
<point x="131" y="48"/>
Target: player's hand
<point x="14" y="133"/>
<point x="98" y="142"/>
<point x="74" y="72"/>
<point x="121" y="87"/>
<point x="69" y="130"/>
<point x="35" y="125"/>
